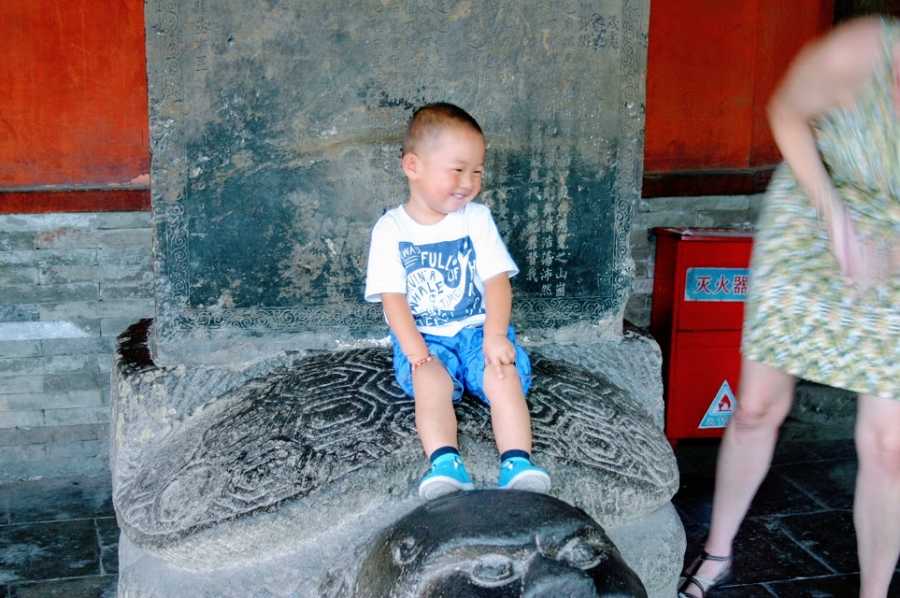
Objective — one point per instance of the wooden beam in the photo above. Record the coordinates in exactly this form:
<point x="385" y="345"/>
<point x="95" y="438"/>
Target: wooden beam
<point x="79" y="200"/>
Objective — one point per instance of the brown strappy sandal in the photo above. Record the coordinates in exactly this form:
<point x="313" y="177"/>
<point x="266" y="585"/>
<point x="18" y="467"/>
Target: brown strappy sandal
<point x="690" y="576"/>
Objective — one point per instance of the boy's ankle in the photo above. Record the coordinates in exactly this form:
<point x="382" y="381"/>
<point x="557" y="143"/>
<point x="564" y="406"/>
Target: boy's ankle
<point x="517" y="472"/>
<point x="446" y="475"/>
<point x="513" y="454"/>
<point x="443" y="452"/>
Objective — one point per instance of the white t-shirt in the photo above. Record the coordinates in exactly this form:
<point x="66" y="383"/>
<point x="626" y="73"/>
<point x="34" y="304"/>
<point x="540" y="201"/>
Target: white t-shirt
<point x="440" y="267"/>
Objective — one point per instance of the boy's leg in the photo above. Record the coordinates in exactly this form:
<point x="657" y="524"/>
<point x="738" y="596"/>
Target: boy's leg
<point x="509" y="412"/>
<point x="435" y="418"/>
<point x="434" y="391"/>
<point x="503" y="388"/>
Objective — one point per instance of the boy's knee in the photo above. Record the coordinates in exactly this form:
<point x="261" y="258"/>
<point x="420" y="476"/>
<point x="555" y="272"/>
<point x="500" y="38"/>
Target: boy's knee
<point x="432" y="379"/>
<point x="507" y="384"/>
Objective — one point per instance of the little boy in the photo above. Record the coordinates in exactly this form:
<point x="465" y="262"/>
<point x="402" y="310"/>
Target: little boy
<point x="441" y="271"/>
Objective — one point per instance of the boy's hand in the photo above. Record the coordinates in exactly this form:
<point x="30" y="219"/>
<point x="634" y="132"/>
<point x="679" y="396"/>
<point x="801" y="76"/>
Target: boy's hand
<point x="498" y="351"/>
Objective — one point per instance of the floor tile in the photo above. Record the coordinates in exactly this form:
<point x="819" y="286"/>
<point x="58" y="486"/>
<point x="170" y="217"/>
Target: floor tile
<point x="48" y="550"/>
<point x="108" y="530"/>
<point x="830" y="482"/>
<point x="753" y="591"/>
<point x="87" y="587"/>
<point x="828" y="535"/>
<point x="695" y="535"/>
<point x="794" y="451"/>
<point x="776" y="495"/>
<point x="697" y="456"/>
<point x="58" y="499"/>
<point x="694" y="497"/>
<point x="763" y="552"/>
<point x="838" y="586"/>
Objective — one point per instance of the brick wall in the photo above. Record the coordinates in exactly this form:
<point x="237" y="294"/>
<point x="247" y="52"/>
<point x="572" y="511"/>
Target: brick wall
<point x="69" y="283"/>
<point x="730" y="210"/>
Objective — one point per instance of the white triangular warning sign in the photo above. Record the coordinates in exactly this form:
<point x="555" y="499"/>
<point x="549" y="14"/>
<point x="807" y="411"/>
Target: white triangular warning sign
<point x="720" y="410"/>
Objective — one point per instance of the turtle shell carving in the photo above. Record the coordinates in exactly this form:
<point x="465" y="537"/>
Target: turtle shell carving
<point x="282" y="437"/>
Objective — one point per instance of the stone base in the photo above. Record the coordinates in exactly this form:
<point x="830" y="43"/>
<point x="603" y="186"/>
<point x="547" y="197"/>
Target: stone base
<point x="278" y="473"/>
<point x="653" y="547"/>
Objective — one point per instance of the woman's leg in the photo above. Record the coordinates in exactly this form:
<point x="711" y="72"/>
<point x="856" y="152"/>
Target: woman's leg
<point x="876" y="508"/>
<point x="763" y="401"/>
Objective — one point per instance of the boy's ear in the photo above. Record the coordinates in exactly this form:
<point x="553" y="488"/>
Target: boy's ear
<point x="410" y="164"/>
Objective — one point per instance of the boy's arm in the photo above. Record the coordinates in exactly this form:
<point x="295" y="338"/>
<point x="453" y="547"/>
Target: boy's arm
<point x="403" y="326"/>
<point x="498" y="350"/>
<point x="498" y="304"/>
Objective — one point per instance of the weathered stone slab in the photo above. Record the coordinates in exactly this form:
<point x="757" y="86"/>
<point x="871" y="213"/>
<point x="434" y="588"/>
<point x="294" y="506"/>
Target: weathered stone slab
<point x="276" y="130"/>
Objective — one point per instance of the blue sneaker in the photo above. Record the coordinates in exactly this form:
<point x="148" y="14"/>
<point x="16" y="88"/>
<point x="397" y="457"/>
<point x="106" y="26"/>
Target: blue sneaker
<point x="518" y="473"/>
<point x="447" y="475"/>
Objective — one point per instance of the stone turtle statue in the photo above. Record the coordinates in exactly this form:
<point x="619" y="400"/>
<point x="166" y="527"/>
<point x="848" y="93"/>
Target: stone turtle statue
<point x="494" y="543"/>
<point x="273" y="478"/>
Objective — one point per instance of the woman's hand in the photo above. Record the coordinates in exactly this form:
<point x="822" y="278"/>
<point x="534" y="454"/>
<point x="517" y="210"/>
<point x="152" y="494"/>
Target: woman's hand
<point x="498" y="351"/>
<point x="863" y="260"/>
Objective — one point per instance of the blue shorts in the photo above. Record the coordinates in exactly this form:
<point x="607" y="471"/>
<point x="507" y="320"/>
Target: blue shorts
<point x="463" y="356"/>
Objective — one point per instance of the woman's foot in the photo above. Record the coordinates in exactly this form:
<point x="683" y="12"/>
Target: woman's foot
<point x="705" y="573"/>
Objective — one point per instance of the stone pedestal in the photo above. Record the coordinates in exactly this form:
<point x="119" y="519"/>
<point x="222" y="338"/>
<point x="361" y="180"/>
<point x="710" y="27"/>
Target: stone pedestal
<point x="278" y="474"/>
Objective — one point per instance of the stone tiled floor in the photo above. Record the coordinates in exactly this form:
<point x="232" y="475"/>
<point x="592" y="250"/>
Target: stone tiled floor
<point x="798" y="539"/>
<point x="59" y="537"/>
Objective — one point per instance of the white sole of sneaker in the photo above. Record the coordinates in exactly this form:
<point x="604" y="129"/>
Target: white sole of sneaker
<point x="530" y="481"/>
<point x="439" y="486"/>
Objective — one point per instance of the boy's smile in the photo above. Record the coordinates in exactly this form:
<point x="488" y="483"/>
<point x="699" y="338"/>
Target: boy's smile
<point x="445" y="174"/>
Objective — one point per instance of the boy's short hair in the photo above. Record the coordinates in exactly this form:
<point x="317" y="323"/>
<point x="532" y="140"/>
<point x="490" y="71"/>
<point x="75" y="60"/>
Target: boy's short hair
<point x="431" y="118"/>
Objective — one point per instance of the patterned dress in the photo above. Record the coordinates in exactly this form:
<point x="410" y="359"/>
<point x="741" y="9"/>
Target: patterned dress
<point x="803" y="317"/>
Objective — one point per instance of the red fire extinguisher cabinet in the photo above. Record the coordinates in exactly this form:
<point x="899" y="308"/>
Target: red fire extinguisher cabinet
<point x="700" y="282"/>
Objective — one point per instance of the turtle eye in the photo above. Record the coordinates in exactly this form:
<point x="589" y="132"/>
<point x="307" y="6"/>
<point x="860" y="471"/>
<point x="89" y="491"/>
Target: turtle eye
<point x="405" y="550"/>
<point x="492" y="570"/>
<point x="580" y="553"/>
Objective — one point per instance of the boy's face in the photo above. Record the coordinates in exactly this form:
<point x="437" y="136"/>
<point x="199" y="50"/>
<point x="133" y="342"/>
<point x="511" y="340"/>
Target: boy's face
<point x="445" y="174"/>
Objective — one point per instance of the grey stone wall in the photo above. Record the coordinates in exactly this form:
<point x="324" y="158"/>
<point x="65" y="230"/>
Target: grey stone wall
<point x="712" y="210"/>
<point x="69" y="283"/>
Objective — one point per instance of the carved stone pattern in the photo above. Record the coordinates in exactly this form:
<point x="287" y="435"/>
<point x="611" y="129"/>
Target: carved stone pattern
<point x="548" y="311"/>
<point x="169" y="157"/>
<point x="633" y="57"/>
<point x="284" y="436"/>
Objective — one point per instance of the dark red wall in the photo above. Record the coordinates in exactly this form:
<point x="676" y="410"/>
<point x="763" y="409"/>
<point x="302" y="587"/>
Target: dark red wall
<point x="712" y="66"/>
<point x="73" y="107"/>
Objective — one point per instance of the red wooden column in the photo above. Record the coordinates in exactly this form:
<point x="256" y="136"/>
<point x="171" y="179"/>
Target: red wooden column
<point x="712" y="66"/>
<point x="73" y="112"/>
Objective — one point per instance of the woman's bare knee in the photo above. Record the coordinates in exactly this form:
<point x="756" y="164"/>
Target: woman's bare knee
<point x="878" y="434"/>
<point x="765" y="396"/>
